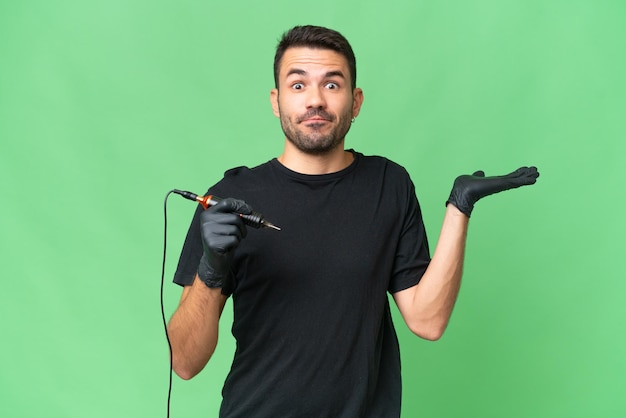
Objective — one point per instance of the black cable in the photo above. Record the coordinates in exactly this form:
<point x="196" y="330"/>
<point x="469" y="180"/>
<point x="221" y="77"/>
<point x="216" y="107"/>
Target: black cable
<point x="169" y="344"/>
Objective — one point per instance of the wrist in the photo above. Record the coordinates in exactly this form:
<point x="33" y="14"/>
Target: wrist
<point x="202" y="294"/>
<point x="209" y="275"/>
<point x="217" y="278"/>
<point x="452" y="210"/>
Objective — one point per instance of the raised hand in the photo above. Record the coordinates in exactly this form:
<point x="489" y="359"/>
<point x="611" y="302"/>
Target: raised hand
<point x="468" y="189"/>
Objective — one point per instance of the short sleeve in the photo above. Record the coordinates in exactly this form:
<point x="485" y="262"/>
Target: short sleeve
<point x="191" y="252"/>
<point x="412" y="253"/>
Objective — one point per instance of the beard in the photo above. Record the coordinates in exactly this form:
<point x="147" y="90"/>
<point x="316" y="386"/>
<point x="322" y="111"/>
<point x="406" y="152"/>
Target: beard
<point x="315" y="142"/>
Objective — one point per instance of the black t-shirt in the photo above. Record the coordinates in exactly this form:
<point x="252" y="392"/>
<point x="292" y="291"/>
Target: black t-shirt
<point x="311" y="314"/>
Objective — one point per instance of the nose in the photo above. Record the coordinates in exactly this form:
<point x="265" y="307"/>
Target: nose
<point x="315" y="99"/>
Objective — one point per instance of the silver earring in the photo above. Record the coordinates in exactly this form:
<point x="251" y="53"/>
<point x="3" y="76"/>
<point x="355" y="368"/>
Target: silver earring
<point x="353" y="119"/>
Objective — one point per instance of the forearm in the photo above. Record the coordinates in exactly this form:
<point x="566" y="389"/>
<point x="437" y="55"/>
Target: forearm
<point x="427" y="306"/>
<point x="193" y="329"/>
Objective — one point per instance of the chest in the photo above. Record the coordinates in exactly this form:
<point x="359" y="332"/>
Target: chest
<point x="328" y="239"/>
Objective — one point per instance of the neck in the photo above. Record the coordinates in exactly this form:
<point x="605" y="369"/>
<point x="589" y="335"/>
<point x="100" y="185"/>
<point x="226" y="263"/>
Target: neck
<point x="303" y="163"/>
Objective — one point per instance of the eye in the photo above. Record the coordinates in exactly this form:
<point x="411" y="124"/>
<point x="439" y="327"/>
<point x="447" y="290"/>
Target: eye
<point x="332" y="85"/>
<point x="297" y="86"/>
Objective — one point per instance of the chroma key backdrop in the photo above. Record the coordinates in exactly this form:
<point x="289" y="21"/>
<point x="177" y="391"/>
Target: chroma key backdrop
<point x="105" y="106"/>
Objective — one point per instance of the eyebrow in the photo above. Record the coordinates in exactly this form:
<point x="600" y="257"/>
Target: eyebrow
<point x="329" y="74"/>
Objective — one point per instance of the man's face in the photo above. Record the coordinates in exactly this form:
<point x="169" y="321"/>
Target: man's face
<point x="315" y="100"/>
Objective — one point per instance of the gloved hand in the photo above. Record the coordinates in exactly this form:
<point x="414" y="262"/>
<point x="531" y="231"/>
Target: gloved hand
<point x="222" y="229"/>
<point x="467" y="190"/>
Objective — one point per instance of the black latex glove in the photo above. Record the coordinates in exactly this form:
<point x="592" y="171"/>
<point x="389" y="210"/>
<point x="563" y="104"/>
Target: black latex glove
<point x="222" y="229"/>
<point x="467" y="190"/>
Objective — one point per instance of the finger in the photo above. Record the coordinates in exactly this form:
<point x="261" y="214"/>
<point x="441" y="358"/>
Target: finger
<point x="225" y="223"/>
<point x="527" y="175"/>
<point x="233" y="205"/>
<point x="523" y="176"/>
<point x="222" y="238"/>
<point x="223" y="244"/>
<point x="521" y="172"/>
<point x="532" y="174"/>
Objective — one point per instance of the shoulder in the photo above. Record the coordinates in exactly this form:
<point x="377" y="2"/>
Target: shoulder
<point x="382" y="166"/>
<point x="392" y="178"/>
<point x="376" y="160"/>
<point x="240" y="178"/>
<point x="243" y="171"/>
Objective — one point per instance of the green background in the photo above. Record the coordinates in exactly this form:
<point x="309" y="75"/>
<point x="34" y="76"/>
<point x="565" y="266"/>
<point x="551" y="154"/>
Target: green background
<point x="105" y="106"/>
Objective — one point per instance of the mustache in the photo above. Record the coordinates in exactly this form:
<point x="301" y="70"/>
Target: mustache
<point x="315" y="112"/>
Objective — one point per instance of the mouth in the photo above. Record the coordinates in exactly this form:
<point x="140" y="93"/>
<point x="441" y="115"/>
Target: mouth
<point x="315" y="120"/>
<point x="316" y="116"/>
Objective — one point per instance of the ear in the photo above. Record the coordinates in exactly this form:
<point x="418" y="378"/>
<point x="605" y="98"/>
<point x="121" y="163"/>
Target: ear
<point x="274" y="102"/>
<point x="357" y="101"/>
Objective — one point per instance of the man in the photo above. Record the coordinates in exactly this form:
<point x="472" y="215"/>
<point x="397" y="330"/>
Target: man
<point x="311" y="314"/>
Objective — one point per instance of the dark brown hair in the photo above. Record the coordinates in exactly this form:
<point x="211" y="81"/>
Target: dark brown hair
<point x="316" y="37"/>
